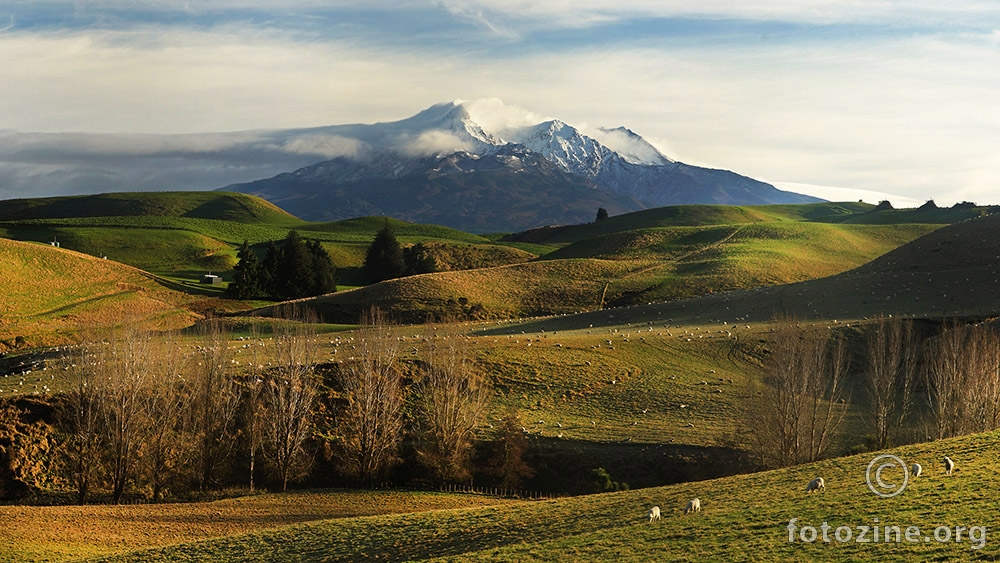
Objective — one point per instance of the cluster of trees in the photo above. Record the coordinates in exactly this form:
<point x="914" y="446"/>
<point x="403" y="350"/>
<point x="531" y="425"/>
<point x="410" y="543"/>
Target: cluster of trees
<point x="152" y="415"/>
<point x="953" y="375"/>
<point x="159" y="415"/>
<point x="939" y="386"/>
<point x="450" y="396"/>
<point x="386" y="259"/>
<point x="296" y="268"/>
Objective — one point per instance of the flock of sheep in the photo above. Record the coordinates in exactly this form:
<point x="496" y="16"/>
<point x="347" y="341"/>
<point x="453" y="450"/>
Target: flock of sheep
<point x="816" y="485"/>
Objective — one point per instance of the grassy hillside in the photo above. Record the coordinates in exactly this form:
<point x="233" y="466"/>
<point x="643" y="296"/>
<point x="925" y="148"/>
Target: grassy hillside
<point x="632" y="267"/>
<point x="69" y="533"/>
<point x="951" y="272"/>
<point x="181" y="235"/>
<point x="716" y="215"/>
<point x="50" y="291"/>
<point x="694" y="216"/>
<point x="743" y="518"/>
<point x="223" y="206"/>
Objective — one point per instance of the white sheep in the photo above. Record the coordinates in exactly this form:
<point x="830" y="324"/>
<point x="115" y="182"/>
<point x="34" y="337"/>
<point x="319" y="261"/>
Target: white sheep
<point x="654" y="513"/>
<point x="693" y="505"/>
<point x="949" y="465"/>
<point x="816" y="484"/>
<point x="916" y="470"/>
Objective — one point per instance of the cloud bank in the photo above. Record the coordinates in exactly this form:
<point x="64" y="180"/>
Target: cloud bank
<point x="894" y="96"/>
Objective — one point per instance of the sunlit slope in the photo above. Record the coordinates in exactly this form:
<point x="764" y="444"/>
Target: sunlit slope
<point x="635" y="267"/>
<point x="709" y="215"/>
<point x="743" y="518"/>
<point x="535" y="288"/>
<point x="48" y="291"/>
<point x="69" y="533"/>
<point x="951" y="272"/>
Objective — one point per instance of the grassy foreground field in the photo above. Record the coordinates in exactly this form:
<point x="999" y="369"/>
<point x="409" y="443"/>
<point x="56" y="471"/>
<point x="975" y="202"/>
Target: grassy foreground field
<point x="743" y="518"/>
<point x="70" y="533"/>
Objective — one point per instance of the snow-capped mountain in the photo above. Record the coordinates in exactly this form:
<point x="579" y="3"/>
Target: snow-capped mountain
<point x="493" y="143"/>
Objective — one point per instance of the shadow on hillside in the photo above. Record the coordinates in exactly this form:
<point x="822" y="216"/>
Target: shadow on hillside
<point x="565" y="466"/>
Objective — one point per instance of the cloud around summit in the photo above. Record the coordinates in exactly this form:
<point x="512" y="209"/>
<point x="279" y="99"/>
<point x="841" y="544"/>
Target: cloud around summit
<point x="896" y="95"/>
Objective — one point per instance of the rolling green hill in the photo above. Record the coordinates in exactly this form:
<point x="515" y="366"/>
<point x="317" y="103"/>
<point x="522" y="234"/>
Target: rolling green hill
<point x="660" y="254"/>
<point x="181" y="235"/>
<point x="645" y="390"/>
<point x="632" y="267"/>
<point x="50" y="292"/>
<point x="953" y="271"/>
<point x="222" y="206"/>
<point x="716" y="215"/>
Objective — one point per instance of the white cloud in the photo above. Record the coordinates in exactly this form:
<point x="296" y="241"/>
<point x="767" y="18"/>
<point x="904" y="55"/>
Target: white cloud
<point x="432" y="143"/>
<point x="325" y="146"/>
<point x="494" y="115"/>
<point x="912" y="112"/>
<point x="581" y="13"/>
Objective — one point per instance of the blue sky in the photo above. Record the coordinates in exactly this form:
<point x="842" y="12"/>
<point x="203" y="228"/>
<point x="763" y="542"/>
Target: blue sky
<point x="887" y="96"/>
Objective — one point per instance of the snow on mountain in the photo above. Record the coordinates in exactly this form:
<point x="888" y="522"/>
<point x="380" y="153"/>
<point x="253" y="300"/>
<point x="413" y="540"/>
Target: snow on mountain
<point x="630" y="146"/>
<point x="394" y="148"/>
<point x="496" y="147"/>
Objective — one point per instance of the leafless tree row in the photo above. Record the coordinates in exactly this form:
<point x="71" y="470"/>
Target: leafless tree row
<point x="962" y="373"/>
<point x="791" y="416"/>
<point x="145" y="414"/>
<point x="149" y="413"/>
<point x="959" y="369"/>
<point x="450" y="398"/>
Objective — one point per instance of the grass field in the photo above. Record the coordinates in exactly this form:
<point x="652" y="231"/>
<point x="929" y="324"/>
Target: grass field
<point x="48" y="292"/>
<point x="633" y="267"/>
<point x="70" y="533"/>
<point x="743" y="518"/>
<point x="642" y="386"/>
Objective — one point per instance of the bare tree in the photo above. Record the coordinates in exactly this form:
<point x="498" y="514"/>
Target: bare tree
<point x="890" y="369"/>
<point x="166" y="448"/>
<point x="452" y="399"/>
<point x="792" y="415"/>
<point x="371" y="423"/>
<point x="214" y="404"/>
<point x="510" y="445"/>
<point x="254" y="407"/>
<point x="124" y="368"/>
<point x="81" y="416"/>
<point x="963" y="380"/>
<point x="289" y="394"/>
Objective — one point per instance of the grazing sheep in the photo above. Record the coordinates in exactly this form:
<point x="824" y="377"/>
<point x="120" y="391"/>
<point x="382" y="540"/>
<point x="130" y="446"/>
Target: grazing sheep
<point x="816" y="484"/>
<point x="654" y="513"/>
<point x="693" y="505"/>
<point x="949" y="465"/>
<point x="916" y="470"/>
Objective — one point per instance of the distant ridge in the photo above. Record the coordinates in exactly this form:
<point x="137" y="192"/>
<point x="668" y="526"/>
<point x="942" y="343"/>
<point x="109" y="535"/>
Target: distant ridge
<point x="236" y="207"/>
<point x="444" y="166"/>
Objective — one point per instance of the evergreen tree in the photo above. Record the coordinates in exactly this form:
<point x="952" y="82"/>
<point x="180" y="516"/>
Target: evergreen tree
<point x="602" y="214"/>
<point x="419" y="260"/>
<point x="384" y="259"/>
<point x="271" y="270"/>
<point x="247" y="275"/>
<point x="296" y="268"/>
<point x="324" y="273"/>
